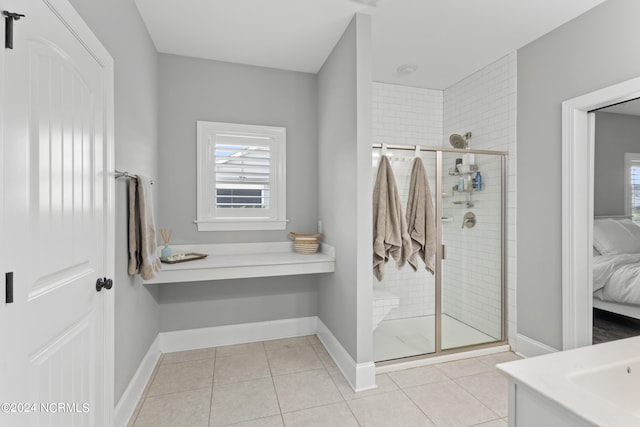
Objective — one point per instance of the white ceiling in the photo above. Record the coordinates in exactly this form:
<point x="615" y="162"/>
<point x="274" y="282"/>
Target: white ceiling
<point x="447" y="39"/>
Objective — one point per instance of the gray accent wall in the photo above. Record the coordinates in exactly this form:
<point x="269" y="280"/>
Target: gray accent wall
<point x="595" y="50"/>
<point x="192" y="89"/>
<point x="119" y="27"/>
<point x="229" y="302"/>
<point x="344" y="158"/>
<point x="615" y="134"/>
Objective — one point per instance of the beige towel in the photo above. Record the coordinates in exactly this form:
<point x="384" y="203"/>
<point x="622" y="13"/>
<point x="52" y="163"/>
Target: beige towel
<point x="421" y="219"/>
<point x="143" y="253"/>
<point x="390" y="235"/>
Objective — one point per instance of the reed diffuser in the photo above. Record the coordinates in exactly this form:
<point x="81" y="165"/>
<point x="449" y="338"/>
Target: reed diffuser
<point x="166" y="237"/>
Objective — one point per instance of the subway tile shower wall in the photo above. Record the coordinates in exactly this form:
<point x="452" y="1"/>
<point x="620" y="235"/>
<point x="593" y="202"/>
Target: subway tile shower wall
<point x="407" y="115"/>
<point x="483" y="103"/>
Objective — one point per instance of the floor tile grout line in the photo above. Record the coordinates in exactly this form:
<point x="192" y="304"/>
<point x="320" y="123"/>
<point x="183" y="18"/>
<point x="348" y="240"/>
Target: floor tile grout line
<point x="145" y="391"/>
<point x="345" y="402"/>
<point x="479" y="401"/>
<point x="419" y="408"/>
<point x="430" y="383"/>
<point x="318" y="355"/>
<point x="163" y="355"/>
<point x="177" y="392"/>
<point x="462" y="387"/>
<point x="332" y="379"/>
<point x="282" y="413"/>
<point x="273" y="383"/>
<point x="187" y="361"/>
<point x="457" y="377"/>
<point x="476" y="398"/>
<point x="213" y="376"/>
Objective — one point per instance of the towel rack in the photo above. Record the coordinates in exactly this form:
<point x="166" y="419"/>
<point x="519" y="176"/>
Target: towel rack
<point x="124" y="174"/>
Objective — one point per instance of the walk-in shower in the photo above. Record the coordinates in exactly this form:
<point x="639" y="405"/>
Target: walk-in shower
<point x="462" y="305"/>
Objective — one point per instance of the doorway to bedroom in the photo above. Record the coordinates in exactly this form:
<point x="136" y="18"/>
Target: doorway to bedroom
<point x="578" y="171"/>
<point x="616" y="228"/>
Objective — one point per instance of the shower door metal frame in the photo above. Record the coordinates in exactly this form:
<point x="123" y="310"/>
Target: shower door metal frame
<point x="439" y="251"/>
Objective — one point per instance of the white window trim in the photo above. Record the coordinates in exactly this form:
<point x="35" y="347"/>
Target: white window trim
<point x="277" y="217"/>
<point x="629" y="160"/>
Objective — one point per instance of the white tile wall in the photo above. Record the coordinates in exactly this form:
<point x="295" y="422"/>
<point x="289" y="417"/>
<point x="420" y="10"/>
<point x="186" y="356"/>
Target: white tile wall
<point x="407" y="115"/>
<point x="485" y="104"/>
<point x="471" y="271"/>
<point x="383" y="303"/>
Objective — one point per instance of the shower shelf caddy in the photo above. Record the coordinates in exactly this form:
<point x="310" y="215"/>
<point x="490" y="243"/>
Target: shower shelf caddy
<point x="244" y="260"/>
<point x="472" y="170"/>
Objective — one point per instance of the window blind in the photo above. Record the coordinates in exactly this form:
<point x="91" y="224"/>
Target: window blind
<point x="635" y="190"/>
<point x="242" y="178"/>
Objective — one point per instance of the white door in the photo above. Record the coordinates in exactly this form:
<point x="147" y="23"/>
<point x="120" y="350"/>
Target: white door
<point x="56" y="340"/>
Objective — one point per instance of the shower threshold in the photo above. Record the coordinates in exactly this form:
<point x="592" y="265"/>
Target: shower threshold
<point x="414" y="336"/>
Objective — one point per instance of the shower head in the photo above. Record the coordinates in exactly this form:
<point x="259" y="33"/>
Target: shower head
<point x="459" y="141"/>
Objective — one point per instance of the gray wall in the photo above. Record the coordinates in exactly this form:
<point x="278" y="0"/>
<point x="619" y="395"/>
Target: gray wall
<point x="615" y="134"/>
<point x="229" y="302"/>
<point x="337" y="137"/>
<point x="120" y="29"/>
<point x="593" y="51"/>
<point x="195" y="89"/>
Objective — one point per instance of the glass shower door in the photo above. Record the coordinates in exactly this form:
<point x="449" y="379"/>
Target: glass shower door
<point x="404" y="302"/>
<point x="473" y="253"/>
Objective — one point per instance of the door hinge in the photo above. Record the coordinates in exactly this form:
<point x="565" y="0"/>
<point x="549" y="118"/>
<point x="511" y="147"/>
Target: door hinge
<point x="8" y="27"/>
<point x="8" y="283"/>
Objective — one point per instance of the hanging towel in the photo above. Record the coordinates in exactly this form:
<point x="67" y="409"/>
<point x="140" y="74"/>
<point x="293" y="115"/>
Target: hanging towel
<point x="421" y="219"/>
<point x="143" y="253"/>
<point x="390" y="235"/>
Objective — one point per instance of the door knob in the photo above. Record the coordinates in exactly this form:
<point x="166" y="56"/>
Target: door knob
<point x="103" y="282"/>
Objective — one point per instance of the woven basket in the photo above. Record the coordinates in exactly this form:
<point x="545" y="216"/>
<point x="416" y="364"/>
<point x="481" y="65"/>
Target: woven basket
<point x="305" y="243"/>
<point x="306" y="248"/>
<point x="299" y="236"/>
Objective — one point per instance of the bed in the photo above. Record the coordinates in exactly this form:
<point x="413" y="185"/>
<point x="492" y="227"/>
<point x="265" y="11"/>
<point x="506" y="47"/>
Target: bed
<point x="616" y="265"/>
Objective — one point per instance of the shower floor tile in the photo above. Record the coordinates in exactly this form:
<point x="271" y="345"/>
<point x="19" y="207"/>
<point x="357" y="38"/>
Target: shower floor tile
<point x="394" y="339"/>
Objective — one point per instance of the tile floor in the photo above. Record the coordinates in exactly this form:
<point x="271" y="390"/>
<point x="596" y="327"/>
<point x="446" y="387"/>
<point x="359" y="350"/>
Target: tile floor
<point x="294" y="382"/>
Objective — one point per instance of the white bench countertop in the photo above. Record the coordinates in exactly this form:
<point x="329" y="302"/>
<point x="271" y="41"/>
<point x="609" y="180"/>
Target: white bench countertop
<point x="244" y="260"/>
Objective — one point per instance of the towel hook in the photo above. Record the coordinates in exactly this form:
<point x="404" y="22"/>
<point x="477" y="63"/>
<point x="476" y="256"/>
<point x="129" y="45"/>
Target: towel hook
<point x="383" y="150"/>
<point x="417" y="152"/>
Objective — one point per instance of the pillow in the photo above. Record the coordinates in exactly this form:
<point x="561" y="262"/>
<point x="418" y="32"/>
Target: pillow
<point x="612" y="237"/>
<point x="633" y="227"/>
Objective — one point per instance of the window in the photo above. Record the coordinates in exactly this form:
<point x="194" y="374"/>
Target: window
<point x="632" y="185"/>
<point x="241" y="177"/>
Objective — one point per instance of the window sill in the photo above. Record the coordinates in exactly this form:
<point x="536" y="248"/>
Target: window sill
<point x="244" y="260"/>
<point x="248" y="225"/>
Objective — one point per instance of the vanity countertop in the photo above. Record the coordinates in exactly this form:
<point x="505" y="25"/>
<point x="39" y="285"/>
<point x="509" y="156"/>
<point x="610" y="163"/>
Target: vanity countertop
<point x="599" y="383"/>
<point x="244" y="260"/>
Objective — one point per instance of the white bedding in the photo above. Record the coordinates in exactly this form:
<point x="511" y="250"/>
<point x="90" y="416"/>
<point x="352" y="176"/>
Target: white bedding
<point x="618" y="276"/>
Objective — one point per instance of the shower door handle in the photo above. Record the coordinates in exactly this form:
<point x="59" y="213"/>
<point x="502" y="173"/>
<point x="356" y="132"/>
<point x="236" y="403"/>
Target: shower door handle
<point x="443" y="251"/>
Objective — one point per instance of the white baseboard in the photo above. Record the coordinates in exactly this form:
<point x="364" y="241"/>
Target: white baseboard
<point x="192" y="339"/>
<point x="132" y="394"/>
<point x="361" y="376"/>
<point x="528" y="347"/>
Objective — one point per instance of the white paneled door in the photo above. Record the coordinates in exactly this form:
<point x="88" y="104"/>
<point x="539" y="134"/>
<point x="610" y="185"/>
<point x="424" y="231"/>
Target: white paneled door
<point x="56" y="343"/>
